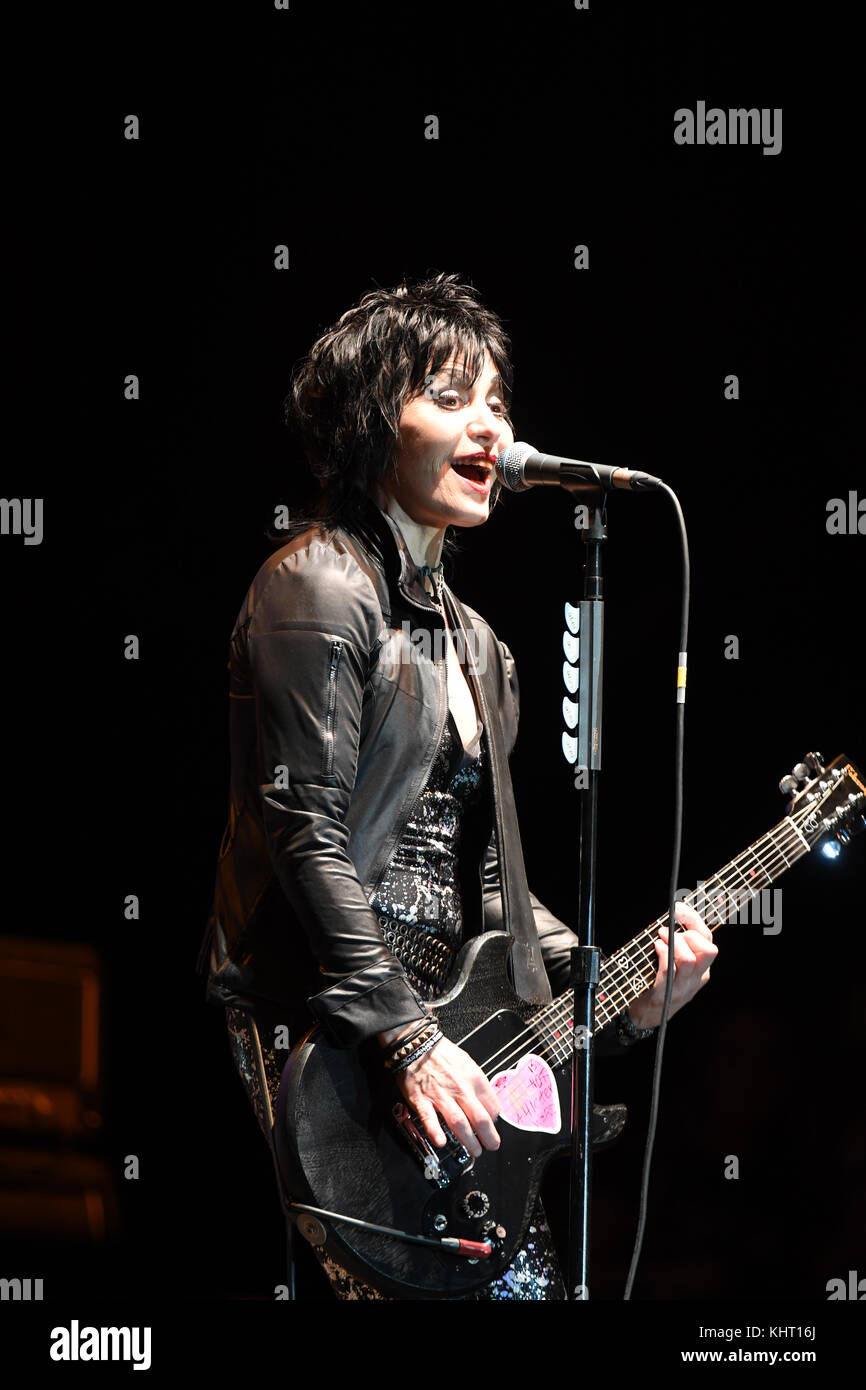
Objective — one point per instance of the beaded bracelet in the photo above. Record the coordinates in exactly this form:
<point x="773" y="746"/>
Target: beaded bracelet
<point x="421" y="1051"/>
<point x="408" y="1045"/>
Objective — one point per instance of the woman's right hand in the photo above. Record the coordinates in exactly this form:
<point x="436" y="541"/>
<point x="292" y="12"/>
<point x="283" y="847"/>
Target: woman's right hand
<point x="447" y="1084"/>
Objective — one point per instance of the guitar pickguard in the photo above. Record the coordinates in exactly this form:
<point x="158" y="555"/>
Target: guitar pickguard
<point x="528" y="1095"/>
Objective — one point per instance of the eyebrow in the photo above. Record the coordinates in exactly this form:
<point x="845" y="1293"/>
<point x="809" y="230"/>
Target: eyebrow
<point x="495" y="381"/>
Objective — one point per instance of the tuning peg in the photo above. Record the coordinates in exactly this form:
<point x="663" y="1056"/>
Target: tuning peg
<point x="571" y="676"/>
<point x="815" y="762"/>
<point x="801" y="772"/>
<point x="570" y="712"/>
<point x="789" y="785"/>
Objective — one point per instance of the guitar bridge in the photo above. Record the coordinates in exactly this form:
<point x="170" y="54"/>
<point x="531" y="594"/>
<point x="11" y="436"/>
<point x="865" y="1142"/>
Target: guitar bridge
<point x="436" y="1163"/>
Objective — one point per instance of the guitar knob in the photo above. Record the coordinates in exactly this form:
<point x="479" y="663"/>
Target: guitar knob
<point x="476" y="1203"/>
<point x="312" y="1230"/>
<point x="490" y="1231"/>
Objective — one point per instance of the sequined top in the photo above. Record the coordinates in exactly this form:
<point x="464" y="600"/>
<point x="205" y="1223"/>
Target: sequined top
<point x="418" y="900"/>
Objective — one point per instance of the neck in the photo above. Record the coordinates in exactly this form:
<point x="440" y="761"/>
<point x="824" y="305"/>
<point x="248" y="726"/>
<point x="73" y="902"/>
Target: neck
<point x="424" y="543"/>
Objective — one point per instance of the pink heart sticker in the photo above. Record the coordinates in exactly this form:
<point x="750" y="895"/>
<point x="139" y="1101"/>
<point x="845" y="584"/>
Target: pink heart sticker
<point x="528" y="1098"/>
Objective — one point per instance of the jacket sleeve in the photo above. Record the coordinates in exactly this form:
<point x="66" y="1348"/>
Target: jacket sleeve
<point x="311" y="639"/>
<point x="556" y="939"/>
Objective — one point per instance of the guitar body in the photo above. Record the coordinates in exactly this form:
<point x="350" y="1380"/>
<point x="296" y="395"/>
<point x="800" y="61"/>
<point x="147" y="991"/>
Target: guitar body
<point x="340" y="1148"/>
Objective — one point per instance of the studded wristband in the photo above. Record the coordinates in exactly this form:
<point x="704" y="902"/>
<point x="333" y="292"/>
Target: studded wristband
<point x="426" y="1046"/>
<point x="411" y="1042"/>
<point x="411" y="1035"/>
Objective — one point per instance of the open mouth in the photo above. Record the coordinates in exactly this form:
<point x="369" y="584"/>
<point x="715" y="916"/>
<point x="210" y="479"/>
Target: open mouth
<point x="473" y="472"/>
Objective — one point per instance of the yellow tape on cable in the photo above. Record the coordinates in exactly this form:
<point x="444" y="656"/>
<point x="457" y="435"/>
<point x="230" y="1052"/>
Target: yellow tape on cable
<point x="681" y="678"/>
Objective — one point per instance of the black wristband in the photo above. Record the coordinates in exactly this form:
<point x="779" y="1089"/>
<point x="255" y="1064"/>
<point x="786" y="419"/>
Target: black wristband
<point x="627" y="1031"/>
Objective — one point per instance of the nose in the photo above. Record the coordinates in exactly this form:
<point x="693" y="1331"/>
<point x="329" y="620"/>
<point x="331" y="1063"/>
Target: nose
<point x="486" y="427"/>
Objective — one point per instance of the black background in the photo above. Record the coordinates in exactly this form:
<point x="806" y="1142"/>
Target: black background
<point x="155" y="257"/>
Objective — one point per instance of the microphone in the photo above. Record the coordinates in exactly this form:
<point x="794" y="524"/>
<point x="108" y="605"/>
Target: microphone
<point x="520" y="467"/>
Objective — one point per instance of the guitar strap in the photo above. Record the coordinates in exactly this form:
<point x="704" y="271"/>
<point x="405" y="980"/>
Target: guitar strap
<point x="529" y="976"/>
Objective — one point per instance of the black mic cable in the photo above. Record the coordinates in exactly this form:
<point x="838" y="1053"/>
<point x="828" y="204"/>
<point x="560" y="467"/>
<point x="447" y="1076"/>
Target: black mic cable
<point x="675" y="872"/>
<point x="518" y="468"/>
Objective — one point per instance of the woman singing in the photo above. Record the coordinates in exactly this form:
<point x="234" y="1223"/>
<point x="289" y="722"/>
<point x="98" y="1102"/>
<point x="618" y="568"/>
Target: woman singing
<point x="372" y="828"/>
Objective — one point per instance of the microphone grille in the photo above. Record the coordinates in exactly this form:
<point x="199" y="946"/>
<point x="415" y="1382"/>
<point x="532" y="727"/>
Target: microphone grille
<point x="509" y="466"/>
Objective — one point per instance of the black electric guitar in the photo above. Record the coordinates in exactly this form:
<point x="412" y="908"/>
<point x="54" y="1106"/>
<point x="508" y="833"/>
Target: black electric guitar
<point x="347" y="1146"/>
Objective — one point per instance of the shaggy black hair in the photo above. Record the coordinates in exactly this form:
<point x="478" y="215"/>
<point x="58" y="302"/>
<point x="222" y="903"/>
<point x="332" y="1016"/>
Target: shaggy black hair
<point x="348" y="393"/>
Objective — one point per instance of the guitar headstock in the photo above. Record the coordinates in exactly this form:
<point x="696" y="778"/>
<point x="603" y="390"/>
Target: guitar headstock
<point x="827" y="803"/>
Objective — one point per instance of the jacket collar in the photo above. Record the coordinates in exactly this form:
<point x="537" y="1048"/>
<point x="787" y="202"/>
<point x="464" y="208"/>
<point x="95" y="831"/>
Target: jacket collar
<point x="400" y="568"/>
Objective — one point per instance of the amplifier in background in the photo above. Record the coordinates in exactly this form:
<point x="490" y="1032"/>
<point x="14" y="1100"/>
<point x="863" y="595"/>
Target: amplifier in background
<point x="46" y="1195"/>
<point x="50" y="1062"/>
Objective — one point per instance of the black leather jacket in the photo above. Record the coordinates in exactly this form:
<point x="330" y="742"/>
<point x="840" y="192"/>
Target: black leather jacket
<point x="338" y="700"/>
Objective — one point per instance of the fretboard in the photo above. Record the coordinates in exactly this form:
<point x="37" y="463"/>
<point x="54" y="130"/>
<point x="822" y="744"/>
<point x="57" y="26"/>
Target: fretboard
<point x="733" y="894"/>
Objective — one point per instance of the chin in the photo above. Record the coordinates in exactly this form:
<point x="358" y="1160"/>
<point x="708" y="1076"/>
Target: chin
<point x="476" y="519"/>
<point x="459" y="514"/>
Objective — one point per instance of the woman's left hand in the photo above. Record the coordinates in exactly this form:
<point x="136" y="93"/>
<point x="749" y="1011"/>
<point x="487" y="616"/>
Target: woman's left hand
<point x="694" y="953"/>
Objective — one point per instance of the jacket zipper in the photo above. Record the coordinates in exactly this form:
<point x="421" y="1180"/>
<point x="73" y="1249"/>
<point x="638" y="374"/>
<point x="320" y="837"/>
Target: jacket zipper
<point x="328" y="753"/>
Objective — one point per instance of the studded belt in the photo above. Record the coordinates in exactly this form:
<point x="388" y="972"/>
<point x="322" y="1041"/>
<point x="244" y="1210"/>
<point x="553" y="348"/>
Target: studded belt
<point x="423" y="955"/>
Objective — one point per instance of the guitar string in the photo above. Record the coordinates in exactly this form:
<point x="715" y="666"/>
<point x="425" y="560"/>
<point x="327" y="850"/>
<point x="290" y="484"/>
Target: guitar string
<point x="640" y="955"/>
<point x="792" y="839"/>
<point x="640" y="952"/>
<point x="556" y="1044"/>
<point x="550" y="1033"/>
<point x="559" y="1048"/>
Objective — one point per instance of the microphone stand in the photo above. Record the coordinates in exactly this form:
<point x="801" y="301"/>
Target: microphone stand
<point x="585" y="957"/>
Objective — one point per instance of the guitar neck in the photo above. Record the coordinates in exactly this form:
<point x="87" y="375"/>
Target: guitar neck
<point x="726" y="897"/>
